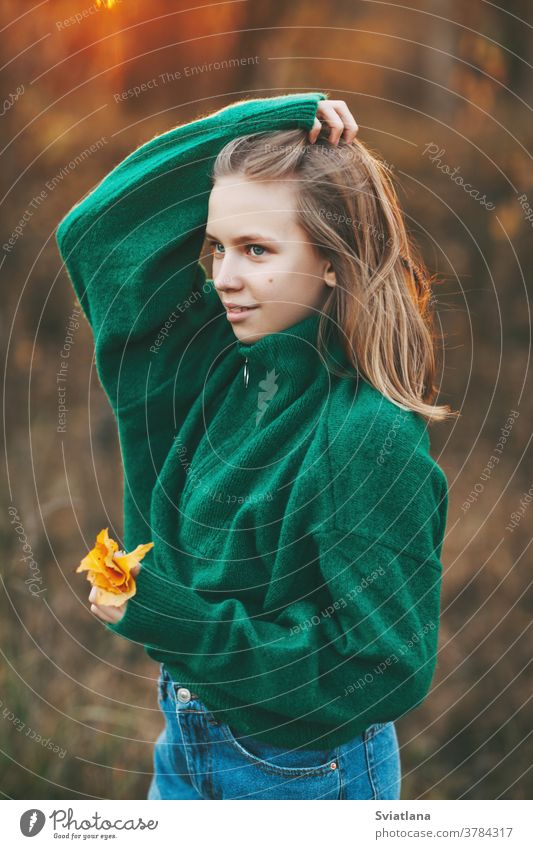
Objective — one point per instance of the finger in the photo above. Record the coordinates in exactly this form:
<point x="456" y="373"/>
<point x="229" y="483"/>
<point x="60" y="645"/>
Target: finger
<point x="339" y="109"/>
<point x="107" y="614"/>
<point x="314" y="131"/>
<point x="135" y="569"/>
<point x="336" y="125"/>
<point x="351" y="127"/>
<point x="98" y="613"/>
<point x="326" y="112"/>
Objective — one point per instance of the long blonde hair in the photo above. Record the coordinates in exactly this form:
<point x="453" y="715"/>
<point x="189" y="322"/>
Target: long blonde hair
<point x="348" y="206"/>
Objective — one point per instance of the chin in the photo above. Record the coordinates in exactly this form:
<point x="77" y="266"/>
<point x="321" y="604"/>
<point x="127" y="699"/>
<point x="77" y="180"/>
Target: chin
<point x="248" y="338"/>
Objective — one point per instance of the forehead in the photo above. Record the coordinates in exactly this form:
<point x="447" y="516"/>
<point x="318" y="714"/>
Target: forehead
<point x="235" y="198"/>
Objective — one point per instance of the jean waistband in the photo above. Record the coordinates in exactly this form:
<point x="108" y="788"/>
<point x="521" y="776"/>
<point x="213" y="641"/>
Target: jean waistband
<point x="189" y="695"/>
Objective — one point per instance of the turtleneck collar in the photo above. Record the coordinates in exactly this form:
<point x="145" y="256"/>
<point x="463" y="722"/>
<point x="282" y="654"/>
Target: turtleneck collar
<point x="291" y="353"/>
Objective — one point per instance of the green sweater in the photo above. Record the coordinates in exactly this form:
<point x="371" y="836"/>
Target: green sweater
<point x="298" y="518"/>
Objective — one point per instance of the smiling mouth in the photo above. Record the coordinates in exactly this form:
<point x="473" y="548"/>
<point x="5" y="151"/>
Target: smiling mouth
<point x="240" y="309"/>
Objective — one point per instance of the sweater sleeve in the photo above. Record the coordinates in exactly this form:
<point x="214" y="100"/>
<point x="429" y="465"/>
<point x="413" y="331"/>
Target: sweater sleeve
<point x="132" y="248"/>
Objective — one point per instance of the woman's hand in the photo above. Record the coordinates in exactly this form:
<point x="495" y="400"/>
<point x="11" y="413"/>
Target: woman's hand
<point x="104" y="611"/>
<point x="336" y="115"/>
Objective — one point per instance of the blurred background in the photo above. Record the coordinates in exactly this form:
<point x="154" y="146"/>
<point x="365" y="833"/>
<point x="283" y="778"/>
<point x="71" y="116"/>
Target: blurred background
<point x="439" y="88"/>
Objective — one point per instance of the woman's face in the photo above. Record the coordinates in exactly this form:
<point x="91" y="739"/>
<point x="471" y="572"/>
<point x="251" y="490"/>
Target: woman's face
<point x="262" y="258"/>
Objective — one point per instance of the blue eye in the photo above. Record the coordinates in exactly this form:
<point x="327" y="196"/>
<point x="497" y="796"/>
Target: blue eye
<point x="257" y="250"/>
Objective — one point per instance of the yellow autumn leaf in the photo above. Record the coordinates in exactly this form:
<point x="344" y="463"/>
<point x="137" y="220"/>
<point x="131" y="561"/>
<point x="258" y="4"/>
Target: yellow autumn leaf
<point x="109" y="570"/>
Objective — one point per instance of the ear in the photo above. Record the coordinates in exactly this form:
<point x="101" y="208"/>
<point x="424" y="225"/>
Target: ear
<point x="330" y="278"/>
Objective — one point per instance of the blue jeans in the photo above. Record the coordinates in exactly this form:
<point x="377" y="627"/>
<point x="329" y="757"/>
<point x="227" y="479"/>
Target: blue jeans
<point x="196" y="756"/>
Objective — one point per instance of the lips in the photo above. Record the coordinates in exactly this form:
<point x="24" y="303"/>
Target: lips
<point x="235" y="308"/>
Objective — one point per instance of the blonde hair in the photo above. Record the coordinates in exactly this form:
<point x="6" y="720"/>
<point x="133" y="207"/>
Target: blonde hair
<point x="348" y="206"/>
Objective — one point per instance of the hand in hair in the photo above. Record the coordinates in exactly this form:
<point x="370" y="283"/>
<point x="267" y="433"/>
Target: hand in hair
<point x="336" y="115"/>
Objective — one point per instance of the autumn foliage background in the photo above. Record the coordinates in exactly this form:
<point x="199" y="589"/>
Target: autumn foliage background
<point x="444" y="72"/>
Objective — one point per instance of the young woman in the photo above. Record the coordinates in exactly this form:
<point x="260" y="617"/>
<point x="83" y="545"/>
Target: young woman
<point x="273" y="427"/>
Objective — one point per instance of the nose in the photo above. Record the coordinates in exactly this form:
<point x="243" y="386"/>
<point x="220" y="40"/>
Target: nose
<point x="226" y="278"/>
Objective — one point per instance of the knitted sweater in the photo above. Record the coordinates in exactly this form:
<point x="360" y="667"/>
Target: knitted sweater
<point x="297" y="517"/>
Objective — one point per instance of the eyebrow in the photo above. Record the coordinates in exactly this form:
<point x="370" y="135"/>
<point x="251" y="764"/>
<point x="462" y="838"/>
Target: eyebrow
<point x="246" y="237"/>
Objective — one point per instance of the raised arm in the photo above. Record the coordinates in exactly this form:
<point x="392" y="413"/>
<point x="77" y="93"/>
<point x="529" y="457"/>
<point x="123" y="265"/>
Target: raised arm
<point x="132" y="249"/>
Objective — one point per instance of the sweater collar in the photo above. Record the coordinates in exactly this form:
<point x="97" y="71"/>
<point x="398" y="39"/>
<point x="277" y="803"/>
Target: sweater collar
<point x="292" y="353"/>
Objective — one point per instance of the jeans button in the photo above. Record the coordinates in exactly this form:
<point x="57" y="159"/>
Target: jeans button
<point x="184" y="695"/>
